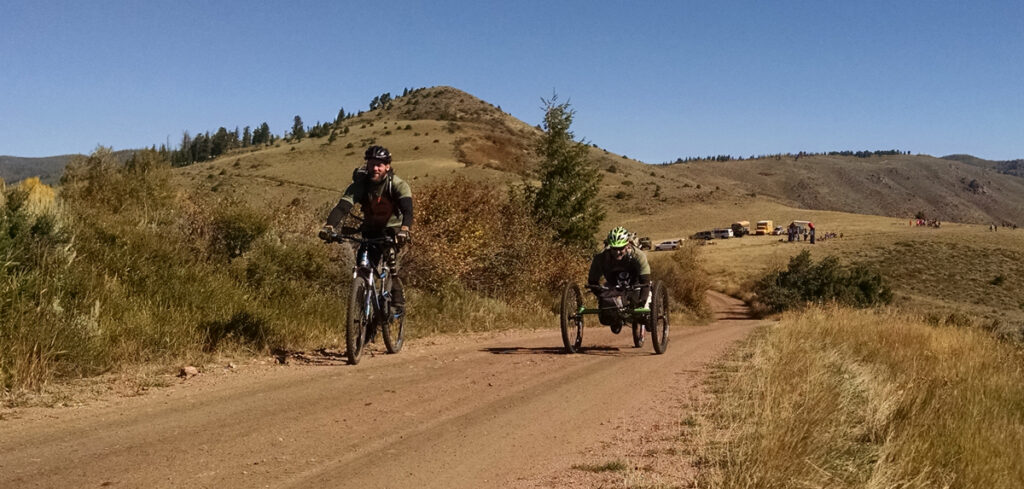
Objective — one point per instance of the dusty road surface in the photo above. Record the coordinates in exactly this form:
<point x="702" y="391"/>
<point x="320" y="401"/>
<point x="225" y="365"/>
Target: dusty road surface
<point x="499" y="410"/>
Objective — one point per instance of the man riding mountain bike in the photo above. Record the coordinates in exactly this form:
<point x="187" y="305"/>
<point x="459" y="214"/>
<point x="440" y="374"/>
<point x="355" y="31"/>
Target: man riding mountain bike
<point x="623" y="266"/>
<point x="386" y="202"/>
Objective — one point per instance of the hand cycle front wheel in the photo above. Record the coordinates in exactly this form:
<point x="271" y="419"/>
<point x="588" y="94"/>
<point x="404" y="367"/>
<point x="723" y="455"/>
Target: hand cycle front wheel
<point x="358" y="320"/>
<point x="658" y="321"/>
<point x="639" y="333"/>
<point x="572" y="318"/>
<point x="393" y="330"/>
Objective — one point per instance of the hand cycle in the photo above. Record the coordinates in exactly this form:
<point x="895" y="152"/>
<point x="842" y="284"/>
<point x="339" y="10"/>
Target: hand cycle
<point x="654" y="318"/>
<point x="369" y="306"/>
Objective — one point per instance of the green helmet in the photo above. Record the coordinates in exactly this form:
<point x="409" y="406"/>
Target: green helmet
<point x="617" y="238"/>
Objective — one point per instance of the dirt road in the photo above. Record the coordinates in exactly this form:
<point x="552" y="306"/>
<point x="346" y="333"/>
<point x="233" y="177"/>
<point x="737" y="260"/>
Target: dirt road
<point x="506" y="409"/>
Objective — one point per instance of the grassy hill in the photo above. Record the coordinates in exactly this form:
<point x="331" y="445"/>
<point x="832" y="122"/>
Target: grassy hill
<point x="438" y="132"/>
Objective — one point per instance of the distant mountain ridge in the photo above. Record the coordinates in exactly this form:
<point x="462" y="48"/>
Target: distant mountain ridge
<point x="49" y="168"/>
<point x="1008" y="167"/>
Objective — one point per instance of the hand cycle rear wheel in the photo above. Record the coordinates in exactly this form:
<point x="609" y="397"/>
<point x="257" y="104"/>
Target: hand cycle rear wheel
<point x="358" y="320"/>
<point x="659" y="318"/>
<point x="572" y="318"/>
<point x="393" y="330"/>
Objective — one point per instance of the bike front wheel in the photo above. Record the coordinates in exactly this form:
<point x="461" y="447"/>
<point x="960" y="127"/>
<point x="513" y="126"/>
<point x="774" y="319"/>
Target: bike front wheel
<point x="639" y="331"/>
<point x="393" y="331"/>
<point x="659" y="318"/>
<point x="572" y="318"/>
<point x="358" y="320"/>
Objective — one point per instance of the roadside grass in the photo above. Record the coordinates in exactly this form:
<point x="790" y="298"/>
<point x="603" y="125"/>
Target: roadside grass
<point x="611" y="466"/>
<point x="833" y="397"/>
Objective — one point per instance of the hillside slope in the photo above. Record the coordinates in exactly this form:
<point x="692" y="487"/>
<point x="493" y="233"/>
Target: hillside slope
<point x="440" y="132"/>
<point x="896" y="186"/>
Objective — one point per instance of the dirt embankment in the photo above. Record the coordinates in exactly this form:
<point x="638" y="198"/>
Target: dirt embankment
<point x="505" y="409"/>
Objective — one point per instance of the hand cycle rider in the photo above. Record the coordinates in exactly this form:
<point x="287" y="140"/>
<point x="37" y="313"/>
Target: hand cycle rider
<point x="386" y="202"/>
<point x="623" y="266"/>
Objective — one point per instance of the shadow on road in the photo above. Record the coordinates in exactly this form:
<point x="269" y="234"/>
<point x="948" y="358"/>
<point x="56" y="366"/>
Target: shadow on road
<point x="321" y="356"/>
<point x="552" y="350"/>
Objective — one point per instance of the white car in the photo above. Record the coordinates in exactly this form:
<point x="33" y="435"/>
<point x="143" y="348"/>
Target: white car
<point x="723" y="233"/>
<point x="672" y="244"/>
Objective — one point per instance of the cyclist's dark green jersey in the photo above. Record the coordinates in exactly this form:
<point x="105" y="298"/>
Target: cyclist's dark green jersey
<point x="631" y="269"/>
<point x="387" y="204"/>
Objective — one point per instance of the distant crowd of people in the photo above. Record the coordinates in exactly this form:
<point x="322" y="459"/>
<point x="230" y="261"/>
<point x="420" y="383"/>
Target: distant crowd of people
<point x="932" y="223"/>
<point x="796" y="233"/>
<point x="995" y="227"/>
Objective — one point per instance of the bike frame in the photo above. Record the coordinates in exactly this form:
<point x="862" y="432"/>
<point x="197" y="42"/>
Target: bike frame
<point x="625" y="312"/>
<point x="375" y="277"/>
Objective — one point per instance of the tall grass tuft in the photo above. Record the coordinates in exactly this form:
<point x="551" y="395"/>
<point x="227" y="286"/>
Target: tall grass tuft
<point x="472" y="234"/>
<point x="684" y="275"/>
<point x="834" y="397"/>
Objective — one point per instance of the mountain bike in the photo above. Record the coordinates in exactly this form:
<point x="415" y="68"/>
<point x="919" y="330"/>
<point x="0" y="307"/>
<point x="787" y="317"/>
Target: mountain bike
<point x="653" y="319"/>
<point x="369" y="305"/>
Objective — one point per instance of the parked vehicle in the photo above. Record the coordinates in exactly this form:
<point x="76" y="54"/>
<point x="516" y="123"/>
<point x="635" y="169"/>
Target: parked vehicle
<point x="778" y="231"/>
<point x="740" y="228"/>
<point x="645" y="243"/>
<point x="723" y="233"/>
<point x="764" y="227"/>
<point x="672" y="244"/>
<point x="705" y="235"/>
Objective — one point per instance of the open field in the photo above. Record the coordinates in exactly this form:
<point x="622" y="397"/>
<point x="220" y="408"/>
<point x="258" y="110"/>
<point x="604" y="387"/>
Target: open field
<point x="963" y="268"/>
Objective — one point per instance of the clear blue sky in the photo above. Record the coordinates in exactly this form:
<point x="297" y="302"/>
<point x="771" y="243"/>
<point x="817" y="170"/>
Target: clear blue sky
<point x="651" y="80"/>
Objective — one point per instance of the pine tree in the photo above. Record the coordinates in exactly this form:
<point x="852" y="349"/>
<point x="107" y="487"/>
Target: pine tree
<point x="298" y="131"/>
<point x="566" y="200"/>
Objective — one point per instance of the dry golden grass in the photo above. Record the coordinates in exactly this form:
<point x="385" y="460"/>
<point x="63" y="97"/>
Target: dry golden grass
<point x="840" y="398"/>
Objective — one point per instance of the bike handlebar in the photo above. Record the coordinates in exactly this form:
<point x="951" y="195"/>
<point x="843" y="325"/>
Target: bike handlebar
<point x="599" y="288"/>
<point x="334" y="237"/>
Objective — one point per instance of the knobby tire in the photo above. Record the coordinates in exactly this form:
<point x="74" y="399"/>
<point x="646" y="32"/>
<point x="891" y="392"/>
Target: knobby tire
<point x="394" y="331"/>
<point x="659" y="319"/>
<point x="358" y="321"/>
<point x="572" y="320"/>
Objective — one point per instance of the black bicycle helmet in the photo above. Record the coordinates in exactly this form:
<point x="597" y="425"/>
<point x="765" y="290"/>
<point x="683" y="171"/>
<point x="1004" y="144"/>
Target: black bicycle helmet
<point x="378" y="153"/>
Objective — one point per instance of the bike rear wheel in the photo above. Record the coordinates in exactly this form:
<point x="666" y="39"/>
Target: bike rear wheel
<point x="358" y="320"/>
<point x="658" y="321"/>
<point x="572" y="318"/>
<point x="393" y="331"/>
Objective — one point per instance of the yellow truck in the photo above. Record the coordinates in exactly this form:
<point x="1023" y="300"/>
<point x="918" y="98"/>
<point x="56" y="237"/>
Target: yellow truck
<point x="764" y="227"/>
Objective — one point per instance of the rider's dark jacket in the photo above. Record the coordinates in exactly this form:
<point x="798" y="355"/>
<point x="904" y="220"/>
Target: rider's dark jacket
<point x="631" y="269"/>
<point x="385" y="204"/>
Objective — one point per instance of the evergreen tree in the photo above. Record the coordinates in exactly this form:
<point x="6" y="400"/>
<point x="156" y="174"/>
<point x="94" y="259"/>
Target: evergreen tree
<point x="341" y="116"/>
<point x="221" y="142"/>
<point x="298" y="131"/>
<point x="246" y="137"/>
<point x="566" y="200"/>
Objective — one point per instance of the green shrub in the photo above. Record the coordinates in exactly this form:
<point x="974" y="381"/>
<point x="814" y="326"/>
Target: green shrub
<point x="804" y="281"/>
<point x="235" y="228"/>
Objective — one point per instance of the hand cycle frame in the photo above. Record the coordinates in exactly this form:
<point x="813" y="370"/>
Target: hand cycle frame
<point x="369" y="306"/>
<point x="654" y="319"/>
